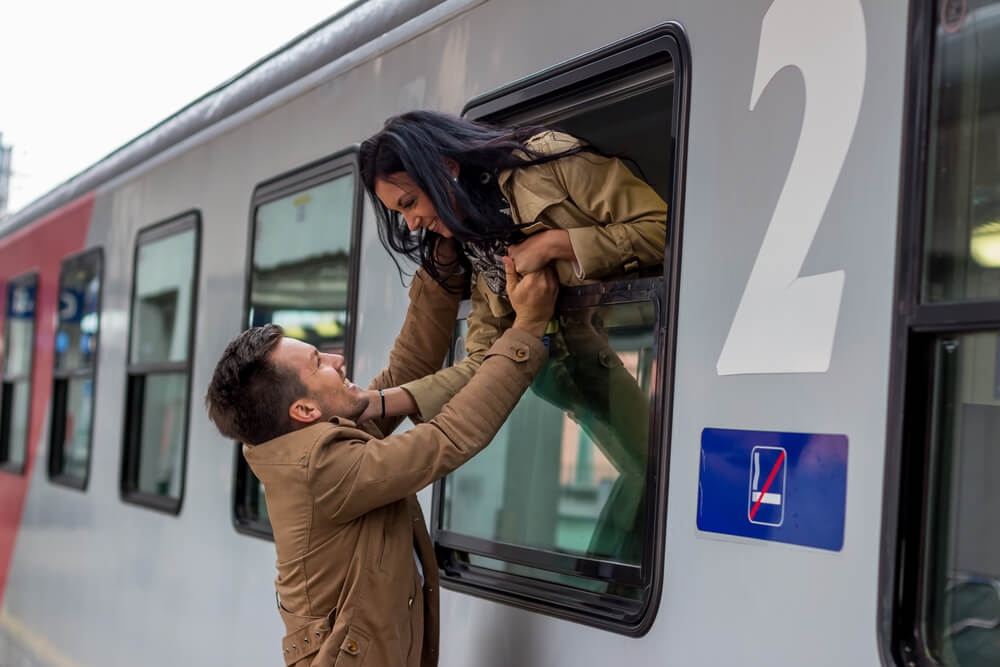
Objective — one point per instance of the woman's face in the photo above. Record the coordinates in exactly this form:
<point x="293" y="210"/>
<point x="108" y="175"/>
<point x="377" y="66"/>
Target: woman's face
<point x="400" y="193"/>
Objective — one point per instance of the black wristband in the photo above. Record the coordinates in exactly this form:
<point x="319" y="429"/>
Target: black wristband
<point x="382" y="396"/>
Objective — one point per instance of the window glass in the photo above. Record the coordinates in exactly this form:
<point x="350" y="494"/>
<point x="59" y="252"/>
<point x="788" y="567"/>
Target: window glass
<point x="301" y="263"/>
<point x="19" y="395"/>
<point x="15" y="390"/>
<point x="962" y="256"/>
<point x="962" y="605"/>
<point x="75" y="358"/>
<point x="74" y="440"/>
<point x="79" y="294"/>
<point x="161" y="307"/>
<point x="20" y="338"/>
<point x="164" y="415"/>
<point x="160" y="364"/>
<point x="537" y="573"/>
<point x="567" y="471"/>
<point x="300" y="279"/>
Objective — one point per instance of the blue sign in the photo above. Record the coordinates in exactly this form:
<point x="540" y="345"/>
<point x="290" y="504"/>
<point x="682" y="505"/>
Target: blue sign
<point x="784" y="487"/>
<point x="71" y="305"/>
<point x="21" y="302"/>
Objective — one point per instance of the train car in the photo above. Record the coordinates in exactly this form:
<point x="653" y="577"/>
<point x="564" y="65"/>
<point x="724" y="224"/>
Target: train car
<point x="814" y="375"/>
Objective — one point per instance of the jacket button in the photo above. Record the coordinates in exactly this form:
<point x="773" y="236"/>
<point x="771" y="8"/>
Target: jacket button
<point x="352" y="646"/>
<point x="410" y="603"/>
<point x="521" y="353"/>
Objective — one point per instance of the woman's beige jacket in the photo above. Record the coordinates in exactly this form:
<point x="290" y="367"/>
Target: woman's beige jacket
<point x="616" y="223"/>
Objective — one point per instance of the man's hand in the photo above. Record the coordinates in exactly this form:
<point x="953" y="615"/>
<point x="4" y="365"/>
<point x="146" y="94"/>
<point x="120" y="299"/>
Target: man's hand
<point x="533" y="297"/>
<point x="541" y="248"/>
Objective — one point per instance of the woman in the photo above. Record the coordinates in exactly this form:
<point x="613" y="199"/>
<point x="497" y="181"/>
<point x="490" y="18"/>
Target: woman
<point x="539" y="197"/>
<point x="531" y="193"/>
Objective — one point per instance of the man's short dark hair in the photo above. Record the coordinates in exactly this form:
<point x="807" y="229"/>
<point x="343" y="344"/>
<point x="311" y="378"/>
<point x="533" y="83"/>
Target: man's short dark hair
<point x="249" y="395"/>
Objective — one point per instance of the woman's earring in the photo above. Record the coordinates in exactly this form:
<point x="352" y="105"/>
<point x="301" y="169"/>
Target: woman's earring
<point x="484" y="177"/>
<point x="454" y="179"/>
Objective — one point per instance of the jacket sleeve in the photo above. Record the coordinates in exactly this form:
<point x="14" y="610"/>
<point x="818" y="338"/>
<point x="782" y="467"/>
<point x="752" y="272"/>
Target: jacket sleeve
<point x="351" y="477"/>
<point x="434" y="390"/>
<point x="424" y="339"/>
<point x="632" y="219"/>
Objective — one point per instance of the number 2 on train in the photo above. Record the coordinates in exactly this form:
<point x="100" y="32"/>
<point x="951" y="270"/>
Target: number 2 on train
<point x="786" y="323"/>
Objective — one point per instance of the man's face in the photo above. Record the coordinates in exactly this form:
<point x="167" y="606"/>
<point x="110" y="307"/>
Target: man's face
<point x="323" y="375"/>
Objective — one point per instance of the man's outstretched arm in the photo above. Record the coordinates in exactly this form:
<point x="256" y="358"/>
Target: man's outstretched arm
<point x="350" y="478"/>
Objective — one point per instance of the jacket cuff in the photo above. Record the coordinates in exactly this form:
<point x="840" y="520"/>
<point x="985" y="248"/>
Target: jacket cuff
<point x="597" y="255"/>
<point x="520" y="347"/>
<point x="427" y="396"/>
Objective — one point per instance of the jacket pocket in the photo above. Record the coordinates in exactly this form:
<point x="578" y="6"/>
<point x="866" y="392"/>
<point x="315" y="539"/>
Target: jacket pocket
<point x="304" y="641"/>
<point x="353" y="649"/>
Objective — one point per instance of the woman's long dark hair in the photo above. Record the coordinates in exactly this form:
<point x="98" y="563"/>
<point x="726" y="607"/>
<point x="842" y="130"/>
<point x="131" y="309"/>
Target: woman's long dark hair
<point x="421" y="143"/>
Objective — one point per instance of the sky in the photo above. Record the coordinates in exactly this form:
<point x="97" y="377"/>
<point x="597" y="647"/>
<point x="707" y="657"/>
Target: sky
<point x="80" y="79"/>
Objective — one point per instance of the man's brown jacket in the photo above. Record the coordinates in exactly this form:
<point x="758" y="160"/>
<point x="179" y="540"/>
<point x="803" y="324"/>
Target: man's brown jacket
<point x="340" y="499"/>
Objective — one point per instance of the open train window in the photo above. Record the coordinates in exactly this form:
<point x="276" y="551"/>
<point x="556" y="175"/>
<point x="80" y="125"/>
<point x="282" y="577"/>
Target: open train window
<point x="941" y="547"/>
<point x="18" y="357"/>
<point x="564" y="512"/>
<point x="302" y="268"/>
<point x="75" y="368"/>
<point x="158" y="383"/>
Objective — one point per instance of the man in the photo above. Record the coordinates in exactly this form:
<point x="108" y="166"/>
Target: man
<point x="357" y="578"/>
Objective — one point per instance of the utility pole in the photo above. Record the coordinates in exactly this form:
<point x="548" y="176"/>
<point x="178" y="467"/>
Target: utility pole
<point x="5" y="153"/>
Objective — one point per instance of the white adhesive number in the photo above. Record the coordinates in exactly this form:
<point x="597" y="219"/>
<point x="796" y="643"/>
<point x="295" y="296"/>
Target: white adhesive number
<point x="786" y="323"/>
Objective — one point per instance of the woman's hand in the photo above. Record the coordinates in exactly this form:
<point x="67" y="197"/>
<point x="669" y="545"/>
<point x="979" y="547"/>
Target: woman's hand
<point x="539" y="249"/>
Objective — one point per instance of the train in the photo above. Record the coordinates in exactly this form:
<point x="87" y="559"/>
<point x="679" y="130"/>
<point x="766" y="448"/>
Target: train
<point x="818" y="362"/>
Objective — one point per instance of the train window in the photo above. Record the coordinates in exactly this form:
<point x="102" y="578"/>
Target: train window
<point x="15" y="390"/>
<point x="564" y="512"/>
<point x="74" y="368"/>
<point x="944" y="557"/>
<point x="159" y="363"/>
<point x="303" y="254"/>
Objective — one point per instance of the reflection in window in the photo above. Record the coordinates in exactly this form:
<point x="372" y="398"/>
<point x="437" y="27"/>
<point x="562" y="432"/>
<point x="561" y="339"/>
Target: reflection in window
<point x="963" y="181"/>
<point x="962" y="607"/>
<point x="301" y="280"/>
<point x="162" y="318"/>
<point x="567" y="471"/>
<point x="74" y="368"/>
<point x="301" y="263"/>
<point x="15" y="391"/>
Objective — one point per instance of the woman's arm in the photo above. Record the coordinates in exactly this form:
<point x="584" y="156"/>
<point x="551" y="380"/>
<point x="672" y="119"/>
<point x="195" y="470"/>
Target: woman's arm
<point x="430" y="393"/>
<point x="631" y="221"/>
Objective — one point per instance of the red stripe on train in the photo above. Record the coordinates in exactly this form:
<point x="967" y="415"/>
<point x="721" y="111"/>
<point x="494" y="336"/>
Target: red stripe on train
<point x="40" y="246"/>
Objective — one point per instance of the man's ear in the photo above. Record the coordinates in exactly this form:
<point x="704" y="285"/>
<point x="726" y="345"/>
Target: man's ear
<point x="305" y="411"/>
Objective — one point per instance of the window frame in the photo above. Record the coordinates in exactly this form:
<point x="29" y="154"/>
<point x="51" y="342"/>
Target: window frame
<point x="57" y="421"/>
<point x="5" y="464"/>
<point x="132" y="422"/>
<point x="613" y="62"/>
<point x="905" y="553"/>
<point x="317" y="172"/>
